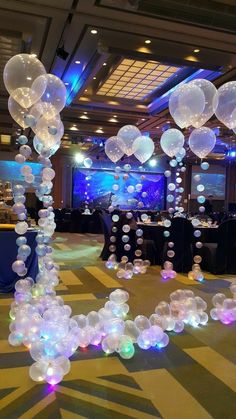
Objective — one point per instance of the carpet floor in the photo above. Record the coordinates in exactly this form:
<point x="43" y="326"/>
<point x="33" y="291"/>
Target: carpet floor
<point x="193" y="378"/>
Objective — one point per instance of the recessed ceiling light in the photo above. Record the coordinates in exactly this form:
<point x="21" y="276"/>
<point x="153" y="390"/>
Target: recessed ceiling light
<point x="77" y="62"/>
<point x="84" y="117"/>
<point x="196" y="50"/>
<point x="148" y="41"/>
<point x="94" y="31"/>
<point x="157" y="127"/>
<point x="94" y="78"/>
<point x="74" y="128"/>
<point x="85" y="113"/>
<point x="66" y="83"/>
<point x="99" y="131"/>
<point x="86" y="90"/>
<point x="114" y="116"/>
<point x="29" y="78"/>
<point x="104" y="64"/>
<point x="143" y="119"/>
<point x="112" y="120"/>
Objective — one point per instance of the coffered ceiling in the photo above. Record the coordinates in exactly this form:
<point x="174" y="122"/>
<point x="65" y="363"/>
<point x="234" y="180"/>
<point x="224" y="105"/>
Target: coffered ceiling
<point x="120" y="60"/>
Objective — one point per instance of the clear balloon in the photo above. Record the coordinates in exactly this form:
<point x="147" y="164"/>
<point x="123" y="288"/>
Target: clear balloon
<point x="172" y="141"/>
<point x="226" y="104"/>
<point x="128" y="134"/>
<point x="19" y="114"/>
<point x="113" y="149"/>
<point x="211" y="100"/>
<point x="20" y="77"/>
<point x="143" y="148"/>
<point x="202" y="141"/>
<point x="53" y="99"/>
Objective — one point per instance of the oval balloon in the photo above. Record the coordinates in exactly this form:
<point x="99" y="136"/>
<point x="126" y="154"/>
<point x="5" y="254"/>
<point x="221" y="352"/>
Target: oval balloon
<point x="46" y="149"/>
<point x="186" y="104"/>
<point x="19" y="114"/>
<point x="202" y="141"/>
<point x="172" y="141"/>
<point x="42" y="131"/>
<point x="211" y="100"/>
<point x="20" y="74"/>
<point x="143" y="148"/>
<point x="226" y="107"/>
<point x="128" y="134"/>
<point x="113" y="149"/>
<point x="54" y="98"/>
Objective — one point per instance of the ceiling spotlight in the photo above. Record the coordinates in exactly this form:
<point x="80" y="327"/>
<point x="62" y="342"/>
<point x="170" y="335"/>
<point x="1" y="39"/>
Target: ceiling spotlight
<point x="143" y="119"/>
<point x="196" y="50"/>
<point x="157" y="127"/>
<point x="112" y="120"/>
<point x="86" y="90"/>
<point x="77" y="62"/>
<point x="94" y="78"/>
<point x="84" y="117"/>
<point x="79" y="158"/>
<point x="104" y="64"/>
<point x="114" y="116"/>
<point x="99" y="131"/>
<point x="94" y="31"/>
<point x="85" y="113"/>
<point x="148" y="41"/>
<point x="152" y="163"/>
<point x="74" y="128"/>
<point x="66" y="83"/>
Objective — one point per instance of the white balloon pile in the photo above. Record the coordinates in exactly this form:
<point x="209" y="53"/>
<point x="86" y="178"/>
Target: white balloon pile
<point x="129" y="141"/>
<point x="224" y="308"/>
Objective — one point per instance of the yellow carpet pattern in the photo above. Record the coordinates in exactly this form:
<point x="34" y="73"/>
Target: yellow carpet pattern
<point x="193" y="378"/>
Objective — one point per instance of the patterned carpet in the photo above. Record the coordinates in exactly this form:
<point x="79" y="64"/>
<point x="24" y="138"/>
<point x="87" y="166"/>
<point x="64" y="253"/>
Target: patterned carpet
<point x="193" y="378"/>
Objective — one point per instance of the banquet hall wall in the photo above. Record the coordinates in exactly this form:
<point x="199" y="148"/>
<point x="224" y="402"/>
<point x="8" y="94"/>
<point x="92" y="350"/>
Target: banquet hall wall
<point x="63" y="164"/>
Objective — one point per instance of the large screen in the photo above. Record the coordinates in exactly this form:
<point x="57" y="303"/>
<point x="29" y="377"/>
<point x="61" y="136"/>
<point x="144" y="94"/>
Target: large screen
<point x="96" y="187"/>
<point x="214" y="183"/>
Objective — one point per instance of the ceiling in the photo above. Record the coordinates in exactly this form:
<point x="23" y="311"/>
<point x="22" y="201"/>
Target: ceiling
<point x="124" y="57"/>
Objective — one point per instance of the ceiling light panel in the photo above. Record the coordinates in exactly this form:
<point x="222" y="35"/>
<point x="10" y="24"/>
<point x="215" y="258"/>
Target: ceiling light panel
<point x="136" y="79"/>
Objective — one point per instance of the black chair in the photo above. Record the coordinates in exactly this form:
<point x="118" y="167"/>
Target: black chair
<point x="181" y="234"/>
<point x="220" y="258"/>
<point x="75" y="225"/>
<point x="106" y="226"/>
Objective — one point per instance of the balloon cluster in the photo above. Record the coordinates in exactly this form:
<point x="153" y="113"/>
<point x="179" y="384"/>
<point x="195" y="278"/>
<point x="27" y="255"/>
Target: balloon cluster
<point x="224" y="308"/>
<point x="129" y="141"/>
<point x="126" y="269"/>
<point x="168" y="272"/>
<point x="36" y="99"/>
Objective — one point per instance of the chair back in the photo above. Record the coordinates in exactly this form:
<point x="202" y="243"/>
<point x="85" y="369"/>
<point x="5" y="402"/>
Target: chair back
<point x="226" y="249"/>
<point x="181" y="234"/>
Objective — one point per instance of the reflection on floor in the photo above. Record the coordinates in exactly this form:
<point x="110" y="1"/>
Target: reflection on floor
<point x="194" y="377"/>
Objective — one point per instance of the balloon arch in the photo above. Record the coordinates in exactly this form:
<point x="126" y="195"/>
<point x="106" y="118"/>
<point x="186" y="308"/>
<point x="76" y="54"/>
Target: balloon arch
<point x="39" y="318"/>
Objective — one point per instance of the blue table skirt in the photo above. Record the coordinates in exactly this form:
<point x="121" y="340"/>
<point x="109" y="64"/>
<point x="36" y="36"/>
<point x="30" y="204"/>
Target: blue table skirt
<point x="8" y="253"/>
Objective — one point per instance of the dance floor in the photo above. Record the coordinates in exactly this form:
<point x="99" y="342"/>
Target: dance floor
<point x="194" y="377"/>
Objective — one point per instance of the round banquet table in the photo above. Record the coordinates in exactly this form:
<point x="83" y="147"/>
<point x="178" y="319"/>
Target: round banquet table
<point x="154" y="231"/>
<point x="8" y="254"/>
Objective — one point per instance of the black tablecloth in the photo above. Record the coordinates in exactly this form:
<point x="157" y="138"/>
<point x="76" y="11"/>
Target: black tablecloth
<point x="8" y="253"/>
<point x="155" y="232"/>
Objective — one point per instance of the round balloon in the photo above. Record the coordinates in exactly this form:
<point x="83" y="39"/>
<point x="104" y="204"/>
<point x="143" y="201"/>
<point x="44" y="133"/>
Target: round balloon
<point x="47" y="148"/>
<point x="128" y="134"/>
<point x="186" y="104"/>
<point x="19" y="114"/>
<point x="88" y="162"/>
<point x="20" y="75"/>
<point x="42" y="129"/>
<point x="53" y="99"/>
<point x="172" y="141"/>
<point x="226" y="106"/>
<point x="202" y="141"/>
<point x="143" y="148"/>
<point x="113" y="149"/>
<point x="211" y="100"/>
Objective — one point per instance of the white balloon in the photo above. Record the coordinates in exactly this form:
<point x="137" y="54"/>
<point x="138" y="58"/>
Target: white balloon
<point x="113" y="149"/>
<point x="143" y="148"/>
<point x="172" y="141"/>
<point x="226" y="108"/>
<point x="186" y="104"/>
<point x="211" y="100"/>
<point x="202" y="141"/>
<point x="128" y="134"/>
